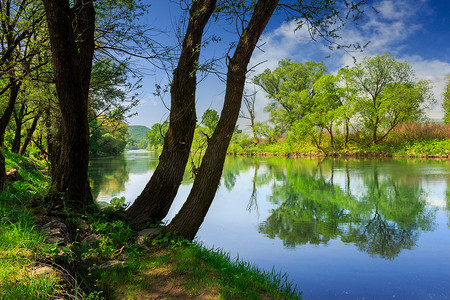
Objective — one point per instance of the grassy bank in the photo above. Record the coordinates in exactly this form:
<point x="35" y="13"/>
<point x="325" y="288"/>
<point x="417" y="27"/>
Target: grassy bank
<point x="407" y="140"/>
<point x="103" y="261"/>
<point x="21" y="243"/>
<point x="426" y="148"/>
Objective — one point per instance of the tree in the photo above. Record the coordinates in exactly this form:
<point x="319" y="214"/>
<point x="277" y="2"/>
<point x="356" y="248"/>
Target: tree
<point x="111" y="95"/>
<point x="190" y="217"/>
<point x="71" y="31"/>
<point x="210" y="119"/>
<point x="20" y="21"/>
<point x="290" y="90"/>
<point x="28" y="108"/>
<point x="323" y="113"/>
<point x="348" y="97"/>
<point x="156" y="135"/>
<point x="249" y="102"/>
<point x="262" y="130"/>
<point x="155" y="200"/>
<point x="388" y="94"/>
<point x="446" y="102"/>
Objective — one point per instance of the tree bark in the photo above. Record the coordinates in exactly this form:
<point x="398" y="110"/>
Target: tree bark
<point x="2" y="171"/>
<point x="4" y="120"/>
<point x="155" y="200"/>
<point x="18" y="118"/>
<point x="29" y="135"/>
<point x="72" y="42"/>
<point x="187" y="222"/>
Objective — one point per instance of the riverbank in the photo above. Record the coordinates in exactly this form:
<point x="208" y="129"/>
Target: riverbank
<point x="439" y="149"/>
<point x="94" y="254"/>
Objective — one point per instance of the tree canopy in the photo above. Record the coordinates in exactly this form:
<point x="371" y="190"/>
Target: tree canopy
<point x="289" y="88"/>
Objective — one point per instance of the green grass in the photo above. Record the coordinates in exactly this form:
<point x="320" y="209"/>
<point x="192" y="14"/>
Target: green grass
<point x="238" y="279"/>
<point x="198" y="271"/>
<point x="20" y="242"/>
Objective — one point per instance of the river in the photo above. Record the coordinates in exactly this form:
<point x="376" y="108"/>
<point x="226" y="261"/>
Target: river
<point x="339" y="229"/>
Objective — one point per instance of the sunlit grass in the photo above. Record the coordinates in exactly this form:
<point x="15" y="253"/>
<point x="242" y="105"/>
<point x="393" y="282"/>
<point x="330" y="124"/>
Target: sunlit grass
<point x="190" y="270"/>
<point x="20" y="241"/>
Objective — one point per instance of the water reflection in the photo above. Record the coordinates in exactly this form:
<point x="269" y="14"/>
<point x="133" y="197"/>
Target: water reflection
<point x="108" y="176"/>
<point x="381" y="217"/>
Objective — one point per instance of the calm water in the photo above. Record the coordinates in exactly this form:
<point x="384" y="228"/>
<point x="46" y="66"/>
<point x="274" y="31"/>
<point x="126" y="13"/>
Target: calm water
<point x="340" y="229"/>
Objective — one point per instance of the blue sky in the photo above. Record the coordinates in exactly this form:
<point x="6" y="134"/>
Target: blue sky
<point x="417" y="31"/>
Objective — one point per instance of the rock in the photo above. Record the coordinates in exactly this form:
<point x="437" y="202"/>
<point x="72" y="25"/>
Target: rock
<point x="42" y="270"/>
<point x="13" y="175"/>
<point x="111" y="263"/>
<point x="56" y="231"/>
<point x="146" y="235"/>
<point x="92" y="239"/>
<point x="83" y="226"/>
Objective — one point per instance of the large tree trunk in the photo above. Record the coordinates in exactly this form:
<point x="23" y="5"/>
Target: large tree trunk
<point x="4" y="120"/>
<point x="155" y="200"/>
<point x="187" y="222"/>
<point x="72" y="42"/>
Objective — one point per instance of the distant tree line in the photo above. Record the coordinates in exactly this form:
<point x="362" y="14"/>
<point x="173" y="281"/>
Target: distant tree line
<point x="361" y="105"/>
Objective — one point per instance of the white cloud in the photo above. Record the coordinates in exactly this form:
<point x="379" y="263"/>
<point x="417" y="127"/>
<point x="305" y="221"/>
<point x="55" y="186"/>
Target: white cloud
<point x="435" y="71"/>
<point x="395" y="10"/>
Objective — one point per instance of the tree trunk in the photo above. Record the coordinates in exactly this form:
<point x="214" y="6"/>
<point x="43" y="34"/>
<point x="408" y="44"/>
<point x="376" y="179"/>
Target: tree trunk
<point x="187" y="222"/>
<point x="30" y="132"/>
<point x="18" y="118"/>
<point x="2" y="171"/>
<point x="155" y="200"/>
<point x="4" y="120"/>
<point x="72" y="42"/>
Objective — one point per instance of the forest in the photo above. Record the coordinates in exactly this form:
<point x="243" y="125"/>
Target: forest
<point x="68" y="83"/>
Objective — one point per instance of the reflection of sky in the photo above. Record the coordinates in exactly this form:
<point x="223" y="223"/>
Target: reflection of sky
<point x="335" y="270"/>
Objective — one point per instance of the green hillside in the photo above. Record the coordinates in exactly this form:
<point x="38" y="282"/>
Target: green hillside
<point x="138" y="134"/>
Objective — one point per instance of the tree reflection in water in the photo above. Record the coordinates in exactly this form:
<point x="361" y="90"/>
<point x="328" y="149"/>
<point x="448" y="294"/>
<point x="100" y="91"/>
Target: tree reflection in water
<point x="108" y="175"/>
<point x="384" y="218"/>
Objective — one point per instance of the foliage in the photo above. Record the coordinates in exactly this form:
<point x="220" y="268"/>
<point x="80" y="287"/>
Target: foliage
<point x="289" y="89"/>
<point x="264" y="131"/>
<point x="156" y="135"/>
<point x="356" y="109"/>
<point x="388" y="94"/>
<point x="210" y="119"/>
<point x="427" y="147"/>
<point x="138" y="134"/>
<point x="111" y="93"/>
<point x="324" y="113"/>
<point x="109" y="136"/>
